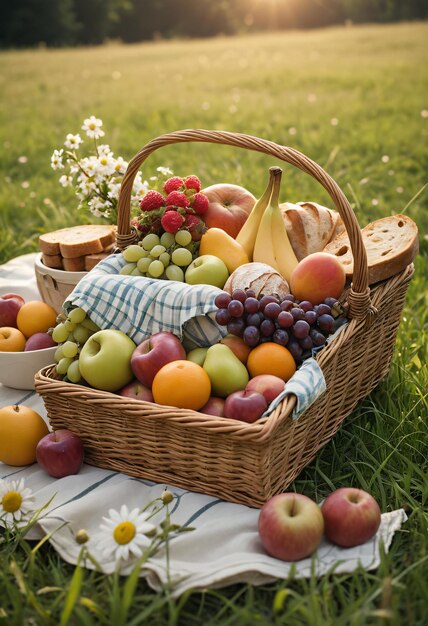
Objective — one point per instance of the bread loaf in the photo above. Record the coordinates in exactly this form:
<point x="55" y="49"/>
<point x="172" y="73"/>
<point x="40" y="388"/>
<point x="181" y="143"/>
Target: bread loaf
<point x="77" y="241"/>
<point x="310" y="226"/>
<point x="391" y="244"/>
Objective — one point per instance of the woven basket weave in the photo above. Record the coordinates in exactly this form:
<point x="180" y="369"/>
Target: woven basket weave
<point x="236" y="461"/>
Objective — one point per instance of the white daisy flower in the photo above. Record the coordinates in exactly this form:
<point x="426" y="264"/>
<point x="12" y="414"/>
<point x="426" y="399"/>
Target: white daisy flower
<point x="104" y="148"/>
<point x="120" y="165"/>
<point x="92" y="127"/>
<point x="72" y="142"/>
<point x="65" y="181"/>
<point x="16" y="500"/>
<point x="56" y="160"/>
<point x="124" y="533"/>
<point x="165" y="171"/>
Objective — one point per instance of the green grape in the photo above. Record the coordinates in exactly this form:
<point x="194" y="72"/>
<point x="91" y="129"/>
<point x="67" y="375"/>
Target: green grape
<point x="69" y="349"/>
<point x="143" y="264"/>
<point x="156" y="251"/>
<point x="88" y="323"/>
<point x="150" y="241"/>
<point x="82" y="334"/>
<point x="73" y="372"/>
<point x="136" y="272"/>
<point x="63" y="366"/>
<point x="69" y="326"/>
<point x="181" y="257"/>
<point x="59" y="333"/>
<point x="183" y="237"/>
<point x="165" y="257"/>
<point x="127" y="269"/>
<point x="156" y="269"/>
<point x="132" y="253"/>
<point x="76" y="316"/>
<point x="58" y="354"/>
<point x="167" y="240"/>
<point x="173" y="272"/>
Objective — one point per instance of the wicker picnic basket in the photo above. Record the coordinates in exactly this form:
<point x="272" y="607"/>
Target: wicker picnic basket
<point x="236" y="461"/>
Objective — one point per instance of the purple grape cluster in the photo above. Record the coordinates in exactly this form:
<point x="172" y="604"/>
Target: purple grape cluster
<point x="300" y="326"/>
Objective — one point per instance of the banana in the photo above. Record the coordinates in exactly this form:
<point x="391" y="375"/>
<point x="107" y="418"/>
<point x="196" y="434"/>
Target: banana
<point x="284" y="254"/>
<point x="248" y="233"/>
<point x="263" y="247"/>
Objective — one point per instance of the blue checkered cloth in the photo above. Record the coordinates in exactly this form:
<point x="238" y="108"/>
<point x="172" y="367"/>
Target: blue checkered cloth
<point x="140" y="307"/>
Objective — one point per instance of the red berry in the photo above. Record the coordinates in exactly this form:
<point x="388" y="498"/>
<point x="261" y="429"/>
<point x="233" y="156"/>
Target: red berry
<point x="173" y="184"/>
<point x="172" y="221"/>
<point x="200" y="203"/>
<point x="152" y="200"/>
<point x="192" y="182"/>
<point x="178" y="198"/>
<point x="195" y="226"/>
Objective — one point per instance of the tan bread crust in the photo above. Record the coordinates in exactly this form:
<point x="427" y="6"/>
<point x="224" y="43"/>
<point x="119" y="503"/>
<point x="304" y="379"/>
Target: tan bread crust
<point x="53" y="261"/>
<point x="76" y="264"/>
<point x="391" y="244"/>
<point x="310" y="226"/>
<point x="91" y="260"/>
<point x="77" y="241"/>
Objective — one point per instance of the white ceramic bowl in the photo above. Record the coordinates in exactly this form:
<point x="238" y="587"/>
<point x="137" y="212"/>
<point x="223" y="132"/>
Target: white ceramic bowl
<point x="17" y="369"/>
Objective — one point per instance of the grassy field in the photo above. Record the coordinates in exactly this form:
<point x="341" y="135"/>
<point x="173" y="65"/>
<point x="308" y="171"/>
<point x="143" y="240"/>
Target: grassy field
<point x="355" y="101"/>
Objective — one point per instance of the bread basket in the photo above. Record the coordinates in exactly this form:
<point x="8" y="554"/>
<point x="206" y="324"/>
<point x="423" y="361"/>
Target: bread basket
<point x="54" y="285"/>
<point x="236" y="461"/>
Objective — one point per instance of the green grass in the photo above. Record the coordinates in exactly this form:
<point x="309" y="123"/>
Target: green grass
<point x="287" y="87"/>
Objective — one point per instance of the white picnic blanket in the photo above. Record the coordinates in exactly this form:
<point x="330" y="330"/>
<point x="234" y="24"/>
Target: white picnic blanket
<point x="224" y="547"/>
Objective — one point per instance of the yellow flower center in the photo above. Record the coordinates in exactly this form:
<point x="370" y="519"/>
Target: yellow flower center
<point x="11" y="501"/>
<point x="92" y="126"/>
<point x="124" y="533"/>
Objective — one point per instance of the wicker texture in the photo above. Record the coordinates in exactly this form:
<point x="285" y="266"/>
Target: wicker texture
<point x="236" y="461"/>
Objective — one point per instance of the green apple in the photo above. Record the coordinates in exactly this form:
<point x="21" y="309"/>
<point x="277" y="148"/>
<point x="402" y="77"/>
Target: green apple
<point x="105" y="360"/>
<point x="207" y="269"/>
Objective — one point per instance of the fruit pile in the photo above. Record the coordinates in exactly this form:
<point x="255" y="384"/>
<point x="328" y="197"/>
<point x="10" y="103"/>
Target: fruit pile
<point x="24" y="325"/>
<point x="299" y="325"/>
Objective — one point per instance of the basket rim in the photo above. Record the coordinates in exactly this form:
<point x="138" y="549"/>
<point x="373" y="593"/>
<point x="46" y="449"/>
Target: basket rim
<point x="41" y="268"/>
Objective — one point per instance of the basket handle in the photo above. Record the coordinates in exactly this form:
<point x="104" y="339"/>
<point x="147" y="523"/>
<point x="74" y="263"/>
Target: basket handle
<point x="359" y="292"/>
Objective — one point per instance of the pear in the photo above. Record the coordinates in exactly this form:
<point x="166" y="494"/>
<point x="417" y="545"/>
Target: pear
<point x="226" y="372"/>
<point x="197" y="355"/>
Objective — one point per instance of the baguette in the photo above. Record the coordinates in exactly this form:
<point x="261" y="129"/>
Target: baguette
<point x="77" y="241"/>
<point x="310" y="226"/>
<point x="391" y="244"/>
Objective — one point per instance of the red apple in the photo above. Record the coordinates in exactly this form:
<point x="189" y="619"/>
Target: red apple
<point x="267" y="384"/>
<point x="10" y="303"/>
<point x="229" y="207"/>
<point x="290" y="526"/>
<point x="246" y="406"/>
<point x="351" y="516"/>
<point x="39" y="341"/>
<point x="153" y="353"/>
<point x="214" y="406"/>
<point x="137" y="391"/>
<point x="238" y="347"/>
<point x="60" y="453"/>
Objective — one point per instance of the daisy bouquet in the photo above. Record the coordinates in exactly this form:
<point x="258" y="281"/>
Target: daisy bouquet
<point x="97" y="176"/>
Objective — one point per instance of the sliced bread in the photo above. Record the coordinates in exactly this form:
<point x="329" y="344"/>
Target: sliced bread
<point x="310" y="226"/>
<point x="391" y="244"/>
<point x="77" y="241"/>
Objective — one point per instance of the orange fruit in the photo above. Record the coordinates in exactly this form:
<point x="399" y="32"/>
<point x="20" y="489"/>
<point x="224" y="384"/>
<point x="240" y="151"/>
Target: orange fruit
<point x="11" y="339"/>
<point x="271" y="358"/>
<point x="183" y="384"/>
<point x="21" y="429"/>
<point x="35" y="316"/>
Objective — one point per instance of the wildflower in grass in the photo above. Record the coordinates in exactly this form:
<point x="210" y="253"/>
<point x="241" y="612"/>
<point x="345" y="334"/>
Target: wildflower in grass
<point x="65" y="181"/>
<point x="72" y="142"/>
<point x="92" y="127"/>
<point x="23" y="159"/>
<point x="16" y="500"/>
<point x="124" y="533"/>
<point x="56" y="160"/>
<point x="334" y="121"/>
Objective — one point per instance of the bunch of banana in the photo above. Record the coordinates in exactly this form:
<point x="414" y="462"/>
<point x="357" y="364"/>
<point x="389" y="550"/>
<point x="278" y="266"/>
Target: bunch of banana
<point x="263" y="236"/>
